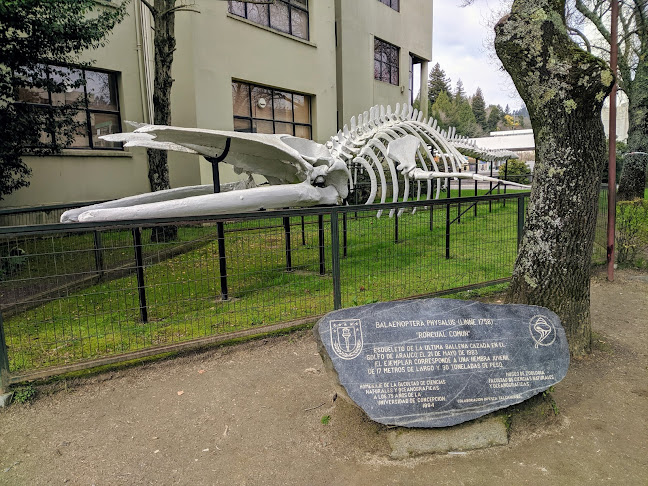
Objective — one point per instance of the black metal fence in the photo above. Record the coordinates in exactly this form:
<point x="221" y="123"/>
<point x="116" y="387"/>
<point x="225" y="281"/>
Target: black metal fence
<point x="80" y="295"/>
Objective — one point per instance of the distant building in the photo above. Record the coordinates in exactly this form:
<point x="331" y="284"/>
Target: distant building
<point x="297" y="66"/>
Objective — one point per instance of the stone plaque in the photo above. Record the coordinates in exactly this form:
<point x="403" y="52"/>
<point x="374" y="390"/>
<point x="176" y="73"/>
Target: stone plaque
<point x="440" y="362"/>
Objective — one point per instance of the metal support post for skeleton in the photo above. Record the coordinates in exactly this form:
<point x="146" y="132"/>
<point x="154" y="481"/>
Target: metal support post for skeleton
<point x="344" y="234"/>
<point x="447" y="244"/>
<point x="520" y="220"/>
<point x="396" y="229"/>
<point x="320" y="234"/>
<point x="476" y="183"/>
<point x="286" y="225"/>
<point x="4" y="361"/>
<point x="220" y="228"/>
<point x="139" y="266"/>
<point x="335" y="261"/>
<point x="459" y="204"/>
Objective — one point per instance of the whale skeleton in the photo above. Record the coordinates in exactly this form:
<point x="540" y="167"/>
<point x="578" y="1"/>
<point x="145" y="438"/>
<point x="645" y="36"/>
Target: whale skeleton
<point x="386" y="145"/>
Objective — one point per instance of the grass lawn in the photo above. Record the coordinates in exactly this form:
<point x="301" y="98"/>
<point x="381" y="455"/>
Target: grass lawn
<point x="183" y="292"/>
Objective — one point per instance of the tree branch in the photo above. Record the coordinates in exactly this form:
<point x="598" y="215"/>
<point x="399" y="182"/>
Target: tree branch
<point x="594" y="18"/>
<point x="150" y="7"/>
<point x="582" y="36"/>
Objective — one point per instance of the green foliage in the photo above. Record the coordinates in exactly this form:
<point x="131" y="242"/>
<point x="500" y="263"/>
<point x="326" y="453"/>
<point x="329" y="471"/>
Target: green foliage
<point x="24" y="394"/>
<point x="460" y="92"/>
<point x="632" y="232"/>
<point x="455" y="112"/>
<point x="494" y="117"/>
<point x="438" y="83"/>
<point x="478" y="106"/>
<point x="36" y="35"/>
<point x="326" y="419"/>
<point x="514" y="170"/>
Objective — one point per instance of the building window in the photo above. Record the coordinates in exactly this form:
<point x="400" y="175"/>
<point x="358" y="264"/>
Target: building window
<point x="93" y="96"/>
<point x="385" y="61"/>
<point x="395" y="4"/>
<point x="289" y="16"/>
<point x="258" y="109"/>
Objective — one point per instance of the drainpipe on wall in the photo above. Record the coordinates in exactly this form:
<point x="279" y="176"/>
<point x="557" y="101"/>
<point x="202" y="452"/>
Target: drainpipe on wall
<point x="143" y="24"/>
<point x="423" y="92"/>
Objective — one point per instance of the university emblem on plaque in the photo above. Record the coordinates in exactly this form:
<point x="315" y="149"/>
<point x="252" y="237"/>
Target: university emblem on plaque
<point x="346" y="338"/>
<point x="542" y="331"/>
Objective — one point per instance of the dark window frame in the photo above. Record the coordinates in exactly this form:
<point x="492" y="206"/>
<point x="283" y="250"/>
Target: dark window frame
<point x="85" y="108"/>
<point x="274" y="120"/>
<point x="290" y="4"/>
<point x="393" y="4"/>
<point x="381" y="46"/>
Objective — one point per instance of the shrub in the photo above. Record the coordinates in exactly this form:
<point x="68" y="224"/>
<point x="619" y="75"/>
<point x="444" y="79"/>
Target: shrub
<point x="632" y="232"/>
<point x="517" y="171"/>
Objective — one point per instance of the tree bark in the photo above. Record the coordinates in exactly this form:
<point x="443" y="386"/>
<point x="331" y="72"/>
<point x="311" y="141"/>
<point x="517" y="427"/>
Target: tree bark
<point x="563" y="88"/>
<point x="633" y="174"/>
<point x="164" y="46"/>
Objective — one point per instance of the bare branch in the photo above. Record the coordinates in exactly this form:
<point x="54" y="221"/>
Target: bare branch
<point x="574" y="30"/>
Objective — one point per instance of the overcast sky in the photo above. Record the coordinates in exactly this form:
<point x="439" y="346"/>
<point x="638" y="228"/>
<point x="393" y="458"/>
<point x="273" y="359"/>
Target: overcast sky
<point x="459" y="45"/>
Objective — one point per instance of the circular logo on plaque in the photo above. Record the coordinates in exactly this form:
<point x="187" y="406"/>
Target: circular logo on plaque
<point x="346" y="338"/>
<point x="542" y="330"/>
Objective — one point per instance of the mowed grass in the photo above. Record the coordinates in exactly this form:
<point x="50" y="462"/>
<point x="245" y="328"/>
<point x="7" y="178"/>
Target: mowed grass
<point x="183" y="293"/>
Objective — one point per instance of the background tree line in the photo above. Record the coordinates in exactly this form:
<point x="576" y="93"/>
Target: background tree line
<point x="470" y="115"/>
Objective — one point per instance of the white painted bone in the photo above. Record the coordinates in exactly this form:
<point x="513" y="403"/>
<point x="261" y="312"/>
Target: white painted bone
<point x="302" y="172"/>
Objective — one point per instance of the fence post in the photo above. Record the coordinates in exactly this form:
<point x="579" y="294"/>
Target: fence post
<point x="505" y="178"/>
<point x="303" y="228"/>
<point x="447" y="245"/>
<point x="490" y="191"/>
<point x="98" y="253"/>
<point x="520" y="220"/>
<point x="222" y="259"/>
<point x="139" y="265"/>
<point x="286" y="225"/>
<point x="335" y="260"/>
<point x="4" y="361"/>
<point x="320" y="232"/>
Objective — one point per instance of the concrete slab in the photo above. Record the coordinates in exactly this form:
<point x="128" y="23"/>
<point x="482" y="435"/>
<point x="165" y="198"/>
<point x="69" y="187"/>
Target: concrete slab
<point x="5" y="399"/>
<point x="478" y="434"/>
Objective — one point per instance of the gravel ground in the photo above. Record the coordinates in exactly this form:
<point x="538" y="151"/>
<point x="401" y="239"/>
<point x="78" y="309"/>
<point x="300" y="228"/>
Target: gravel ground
<point x="252" y="415"/>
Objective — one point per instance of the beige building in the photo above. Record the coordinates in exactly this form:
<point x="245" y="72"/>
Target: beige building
<point x="298" y="66"/>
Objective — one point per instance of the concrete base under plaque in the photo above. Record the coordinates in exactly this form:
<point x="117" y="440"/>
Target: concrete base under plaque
<point x="5" y="399"/>
<point x="477" y="434"/>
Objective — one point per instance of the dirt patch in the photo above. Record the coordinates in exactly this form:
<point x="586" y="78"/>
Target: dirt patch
<point x="253" y="414"/>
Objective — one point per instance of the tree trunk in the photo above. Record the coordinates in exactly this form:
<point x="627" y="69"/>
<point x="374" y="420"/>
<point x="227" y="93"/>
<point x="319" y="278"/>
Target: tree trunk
<point x="164" y="47"/>
<point x="633" y="175"/>
<point x="164" y="42"/>
<point x="563" y="88"/>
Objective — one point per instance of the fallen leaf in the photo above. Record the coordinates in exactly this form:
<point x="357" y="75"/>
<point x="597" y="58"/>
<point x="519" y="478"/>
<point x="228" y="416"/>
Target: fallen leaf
<point x="180" y="392"/>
